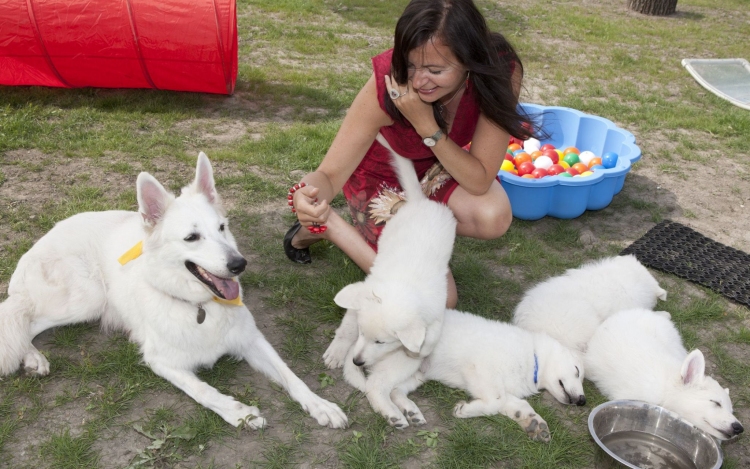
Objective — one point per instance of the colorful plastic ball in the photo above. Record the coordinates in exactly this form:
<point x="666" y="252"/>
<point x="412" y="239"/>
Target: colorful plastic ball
<point x="571" y="159"/>
<point x="580" y="167"/>
<point x="571" y="150"/>
<point x="514" y="146"/>
<point x="560" y="154"/>
<point x="515" y="140"/>
<point x="566" y="174"/>
<point x="552" y="154"/>
<point x="532" y="144"/>
<point x="543" y="162"/>
<point x="521" y="159"/>
<point x="609" y="159"/>
<point x="507" y="166"/>
<point x="528" y="176"/>
<point x="525" y="168"/>
<point x="572" y="171"/>
<point x="586" y="156"/>
<point x="596" y="167"/>
<point x="536" y="154"/>
<point x="586" y="173"/>
<point x="509" y="157"/>
<point x="519" y="151"/>
<point x="564" y="164"/>
<point x="594" y="161"/>
<point x="539" y="173"/>
<point x="547" y="146"/>
<point x="555" y="169"/>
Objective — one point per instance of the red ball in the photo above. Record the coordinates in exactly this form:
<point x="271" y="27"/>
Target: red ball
<point x="539" y="173"/>
<point x="555" y="169"/>
<point x="553" y="155"/>
<point x="547" y="146"/>
<point x="527" y="167"/>
<point x="509" y="157"/>
<point x="572" y="172"/>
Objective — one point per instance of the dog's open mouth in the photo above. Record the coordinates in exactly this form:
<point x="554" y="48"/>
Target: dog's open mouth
<point x="224" y="288"/>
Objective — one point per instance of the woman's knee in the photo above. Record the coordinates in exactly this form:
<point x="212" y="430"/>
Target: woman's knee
<point x="493" y="220"/>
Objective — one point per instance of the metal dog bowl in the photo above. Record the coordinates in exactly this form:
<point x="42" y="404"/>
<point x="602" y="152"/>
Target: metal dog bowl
<point x="640" y="435"/>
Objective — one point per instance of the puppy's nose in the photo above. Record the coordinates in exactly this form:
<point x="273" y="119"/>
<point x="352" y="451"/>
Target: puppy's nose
<point x="737" y="428"/>
<point x="358" y="361"/>
<point x="237" y="265"/>
<point x="581" y="400"/>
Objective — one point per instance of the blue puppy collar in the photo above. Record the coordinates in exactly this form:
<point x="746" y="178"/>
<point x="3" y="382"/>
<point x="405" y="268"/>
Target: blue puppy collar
<point x="536" y="368"/>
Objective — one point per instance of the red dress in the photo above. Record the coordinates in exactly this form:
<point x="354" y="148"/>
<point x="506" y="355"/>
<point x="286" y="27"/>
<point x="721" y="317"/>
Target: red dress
<point x="372" y="191"/>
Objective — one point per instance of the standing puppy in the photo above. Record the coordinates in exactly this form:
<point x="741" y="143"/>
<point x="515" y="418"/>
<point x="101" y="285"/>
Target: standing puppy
<point x="571" y="306"/>
<point x="499" y="365"/>
<point x="394" y="317"/>
<point x="166" y="276"/>
<point x="638" y="354"/>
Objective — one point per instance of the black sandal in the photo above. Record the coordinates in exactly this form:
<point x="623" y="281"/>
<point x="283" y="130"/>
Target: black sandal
<point x="300" y="256"/>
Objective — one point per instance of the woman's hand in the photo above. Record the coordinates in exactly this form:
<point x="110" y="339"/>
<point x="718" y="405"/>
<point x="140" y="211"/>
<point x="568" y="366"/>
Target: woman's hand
<point x="309" y="210"/>
<point x="411" y="106"/>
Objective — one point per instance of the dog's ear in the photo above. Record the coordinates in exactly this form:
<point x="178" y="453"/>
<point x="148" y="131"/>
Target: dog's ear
<point x="204" y="179"/>
<point x="661" y="294"/>
<point x="153" y="199"/>
<point x="350" y="297"/>
<point x="412" y="337"/>
<point x="693" y="368"/>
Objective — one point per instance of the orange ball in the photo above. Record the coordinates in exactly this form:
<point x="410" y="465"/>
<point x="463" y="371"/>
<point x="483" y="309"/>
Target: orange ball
<point x="571" y="150"/>
<point x="594" y="161"/>
<point x="521" y="158"/>
<point x="580" y="167"/>
<point x="514" y="146"/>
<point x="529" y="176"/>
<point x="536" y="154"/>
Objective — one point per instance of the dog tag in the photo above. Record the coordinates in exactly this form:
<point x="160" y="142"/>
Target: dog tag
<point x="201" y="314"/>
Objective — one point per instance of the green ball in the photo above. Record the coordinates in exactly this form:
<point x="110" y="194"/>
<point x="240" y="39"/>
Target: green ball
<point x="571" y="158"/>
<point x="566" y="174"/>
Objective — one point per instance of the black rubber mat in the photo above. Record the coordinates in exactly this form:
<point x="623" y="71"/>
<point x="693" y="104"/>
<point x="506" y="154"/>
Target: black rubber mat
<point x="677" y="249"/>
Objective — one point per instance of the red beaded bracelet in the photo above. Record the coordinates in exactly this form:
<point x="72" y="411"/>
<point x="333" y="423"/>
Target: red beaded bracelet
<point x="290" y="195"/>
<point x="314" y="228"/>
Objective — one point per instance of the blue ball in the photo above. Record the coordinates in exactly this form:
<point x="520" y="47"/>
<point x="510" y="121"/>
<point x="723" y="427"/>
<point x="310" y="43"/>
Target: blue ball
<point x="520" y="150"/>
<point x="609" y="159"/>
<point x="596" y="166"/>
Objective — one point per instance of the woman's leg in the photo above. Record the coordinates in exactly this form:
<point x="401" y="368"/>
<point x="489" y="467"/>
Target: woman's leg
<point x="486" y="216"/>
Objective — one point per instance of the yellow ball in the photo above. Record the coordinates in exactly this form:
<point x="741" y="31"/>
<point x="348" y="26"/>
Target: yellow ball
<point x="564" y="164"/>
<point x="507" y="166"/>
<point x="587" y="173"/>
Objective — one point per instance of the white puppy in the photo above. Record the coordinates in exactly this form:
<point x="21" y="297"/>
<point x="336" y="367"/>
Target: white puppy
<point x="500" y="364"/>
<point x="166" y="276"/>
<point x="569" y="307"/>
<point x="638" y="354"/>
<point x="394" y="316"/>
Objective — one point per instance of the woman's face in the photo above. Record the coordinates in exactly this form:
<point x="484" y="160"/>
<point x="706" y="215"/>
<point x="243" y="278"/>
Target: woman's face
<point x="435" y="73"/>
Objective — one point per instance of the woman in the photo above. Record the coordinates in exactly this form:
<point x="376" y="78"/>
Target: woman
<point x="447" y="82"/>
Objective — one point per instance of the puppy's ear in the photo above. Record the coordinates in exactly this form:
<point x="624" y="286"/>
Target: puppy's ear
<point x="204" y="179"/>
<point x="661" y="294"/>
<point x="153" y="199"/>
<point x="693" y="368"/>
<point x="412" y="337"/>
<point x="350" y="297"/>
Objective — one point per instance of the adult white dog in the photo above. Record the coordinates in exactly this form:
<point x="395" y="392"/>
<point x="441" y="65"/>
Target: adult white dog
<point x="499" y="365"/>
<point x="571" y="306"/>
<point x="638" y="354"/>
<point x="395" y="315"/>
<point x="174" y="292"/>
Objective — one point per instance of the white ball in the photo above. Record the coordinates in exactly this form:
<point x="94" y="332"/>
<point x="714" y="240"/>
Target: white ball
<point x="532" y="144"/>
<point x="543" y="162"/>
<point x="586" y="156"/>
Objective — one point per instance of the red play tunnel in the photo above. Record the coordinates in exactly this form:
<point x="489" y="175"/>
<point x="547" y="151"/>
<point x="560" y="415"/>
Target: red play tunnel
<point x="184" y="45"/>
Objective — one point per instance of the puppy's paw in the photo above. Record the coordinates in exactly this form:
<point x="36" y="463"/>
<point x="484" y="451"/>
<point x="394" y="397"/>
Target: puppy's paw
<point x="335" y="355"/>
<point x="326" y="413"/>
<point x="536" y="428"/>
<point x="415" y="417"/>
<point x="35" y="364"/>
<point x="397" y="421"/>
<point x="458" y="410"/>
<point x="245" y="415"/>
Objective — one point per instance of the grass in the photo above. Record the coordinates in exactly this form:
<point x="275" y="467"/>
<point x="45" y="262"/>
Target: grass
<point x="301" y="62"/>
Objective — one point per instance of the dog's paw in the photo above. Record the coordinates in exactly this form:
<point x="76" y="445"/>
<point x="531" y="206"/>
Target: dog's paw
<point x="412" y="413"/>
<point x="335" y="355"/>
<point x="536" y="428"/>
<point x="326" y="413"/>
<point x="397" y="421"/>
<point x="245" y="416"/>
<point x="458" y="410"/>
<point x="35" y="364"/>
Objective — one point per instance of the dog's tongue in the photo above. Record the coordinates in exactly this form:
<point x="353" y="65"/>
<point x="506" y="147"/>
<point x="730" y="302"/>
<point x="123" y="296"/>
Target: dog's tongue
<point x="228" y="287"/>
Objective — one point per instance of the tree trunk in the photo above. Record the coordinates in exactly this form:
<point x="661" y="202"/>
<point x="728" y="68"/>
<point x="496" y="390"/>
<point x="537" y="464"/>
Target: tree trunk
<point x="653" y="7"/>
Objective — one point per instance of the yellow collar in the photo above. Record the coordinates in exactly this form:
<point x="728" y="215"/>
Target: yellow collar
<point x="137" y="250"/>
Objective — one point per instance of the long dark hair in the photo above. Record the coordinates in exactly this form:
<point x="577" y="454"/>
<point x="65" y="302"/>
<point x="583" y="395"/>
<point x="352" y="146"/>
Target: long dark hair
<point x="487" y="55"/>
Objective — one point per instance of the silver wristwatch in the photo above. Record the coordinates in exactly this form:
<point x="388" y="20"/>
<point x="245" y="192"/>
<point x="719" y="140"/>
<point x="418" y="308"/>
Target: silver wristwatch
<point x="432" y="141"/>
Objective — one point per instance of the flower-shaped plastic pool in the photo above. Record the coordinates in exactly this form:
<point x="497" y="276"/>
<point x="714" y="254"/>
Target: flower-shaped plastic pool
<point x="560" y="197"/>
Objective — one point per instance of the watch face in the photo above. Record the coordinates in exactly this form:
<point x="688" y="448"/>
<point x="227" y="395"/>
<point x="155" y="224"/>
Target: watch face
<point x="429" y="141"/>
